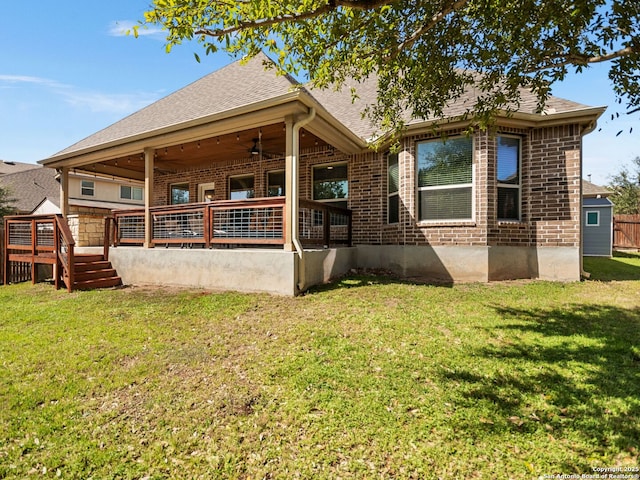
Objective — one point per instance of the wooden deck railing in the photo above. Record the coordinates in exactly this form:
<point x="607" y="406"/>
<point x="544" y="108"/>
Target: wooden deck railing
<point x="33" y="240"/>
<point x="231" y="222"/>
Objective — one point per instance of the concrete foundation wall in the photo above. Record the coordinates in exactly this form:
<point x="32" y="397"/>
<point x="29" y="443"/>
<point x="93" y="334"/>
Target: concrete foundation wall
<point x="243" y="270"/>
<point x="274" y="271"/>
<point x="473" y="264"/>
<point x="321" y="266"/>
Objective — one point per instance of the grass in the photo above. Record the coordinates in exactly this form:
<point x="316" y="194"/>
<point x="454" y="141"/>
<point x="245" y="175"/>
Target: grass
<point x="366" y="378"/>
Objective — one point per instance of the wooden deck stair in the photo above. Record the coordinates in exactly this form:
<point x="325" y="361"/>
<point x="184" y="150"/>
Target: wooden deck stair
<point x="93" y="271"/>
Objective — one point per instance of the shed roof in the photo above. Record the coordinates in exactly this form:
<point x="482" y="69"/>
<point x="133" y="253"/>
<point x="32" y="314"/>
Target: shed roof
<point x="597" y="202"/>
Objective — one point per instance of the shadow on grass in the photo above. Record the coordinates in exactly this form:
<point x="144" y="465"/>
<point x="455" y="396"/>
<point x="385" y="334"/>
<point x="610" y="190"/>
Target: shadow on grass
<point x="365" y="278"/>
<point x="568" y="373"/>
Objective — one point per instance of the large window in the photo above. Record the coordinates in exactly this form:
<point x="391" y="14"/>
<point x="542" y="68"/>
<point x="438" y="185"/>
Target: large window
<point x="130" y="193"/>
<point x="445" y="179"/>
<point x="275" y="184"/>
<point x="331" y="184"/>
<point x="87" y="188"/>
<point x="393" y="198"/>
<point x="508" y="176"/>
<point x="179" y="193"/>
<point x="241" y="188"/>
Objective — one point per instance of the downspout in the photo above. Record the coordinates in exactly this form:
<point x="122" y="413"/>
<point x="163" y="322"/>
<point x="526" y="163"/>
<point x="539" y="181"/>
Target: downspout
<point x="295" y="196"/>
<point x="588" y="129"/>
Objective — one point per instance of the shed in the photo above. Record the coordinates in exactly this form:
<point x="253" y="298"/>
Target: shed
<point x="597" y="234"/>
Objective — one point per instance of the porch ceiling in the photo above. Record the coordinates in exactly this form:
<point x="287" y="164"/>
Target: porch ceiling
<point x="206" y="152"/>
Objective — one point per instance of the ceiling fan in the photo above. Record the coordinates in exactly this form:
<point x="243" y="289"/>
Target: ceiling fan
<point x="256" y="148"/>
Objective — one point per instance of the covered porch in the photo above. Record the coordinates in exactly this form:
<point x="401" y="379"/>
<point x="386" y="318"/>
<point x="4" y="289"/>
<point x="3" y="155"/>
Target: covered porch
<point x="250" y="177"/>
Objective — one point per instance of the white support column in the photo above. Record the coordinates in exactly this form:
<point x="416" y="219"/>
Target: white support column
<point x="149" y="154"/>
<point x="64" y="191"/>
<point x="290" y="205"/>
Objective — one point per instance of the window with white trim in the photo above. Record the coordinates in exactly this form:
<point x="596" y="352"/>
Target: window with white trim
<point x="592" y="218"/>
<point x="87" y="188"/>
<point x="241" y="187"/>
<point x="445" y="179"/>
<point x="128" y="192"/>
<point x="508" y="177"/>
<point x="393" y="197"/>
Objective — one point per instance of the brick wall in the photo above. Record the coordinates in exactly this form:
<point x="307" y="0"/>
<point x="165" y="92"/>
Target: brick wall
<point x="222" y="171"/>
<point x="550" y="189"/>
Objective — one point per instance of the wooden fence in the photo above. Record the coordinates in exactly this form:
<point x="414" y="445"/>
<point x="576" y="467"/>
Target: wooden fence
<point x="626" y="231"/>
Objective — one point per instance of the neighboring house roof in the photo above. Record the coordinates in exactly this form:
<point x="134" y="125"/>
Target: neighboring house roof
<point x="592" y="190"/>
<point x="7" y="167"/>
<point x="244" y="87"/>
<point x="30" y="187"/>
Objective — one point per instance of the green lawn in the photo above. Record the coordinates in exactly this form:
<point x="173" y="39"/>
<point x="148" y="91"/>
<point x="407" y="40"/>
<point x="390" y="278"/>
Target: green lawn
<point x="366" y="378"/>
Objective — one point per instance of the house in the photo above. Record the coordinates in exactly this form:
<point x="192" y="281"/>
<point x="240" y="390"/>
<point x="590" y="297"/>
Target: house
<point x="283" y="176"/>
<point x="597" y="231"/>
<point x="36" y="191"/>
<point x="29" y="188"/>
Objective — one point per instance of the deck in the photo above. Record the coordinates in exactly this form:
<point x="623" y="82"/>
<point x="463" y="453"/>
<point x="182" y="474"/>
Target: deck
<point x="229" y="245"/>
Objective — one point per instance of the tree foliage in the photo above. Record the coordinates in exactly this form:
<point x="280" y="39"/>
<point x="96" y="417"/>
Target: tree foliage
<point x="626" y="189"/>
<point x="425" y="53"/>
<point x="5" y="203"/>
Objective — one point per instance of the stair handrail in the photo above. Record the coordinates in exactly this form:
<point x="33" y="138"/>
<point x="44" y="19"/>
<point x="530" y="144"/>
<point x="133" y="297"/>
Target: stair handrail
<point x="64" y="244"/>
<point x="110" y="234"/>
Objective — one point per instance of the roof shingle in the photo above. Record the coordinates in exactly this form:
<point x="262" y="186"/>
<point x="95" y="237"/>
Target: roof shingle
<point x="241" y="84"/>
<point x="235" y="85"/>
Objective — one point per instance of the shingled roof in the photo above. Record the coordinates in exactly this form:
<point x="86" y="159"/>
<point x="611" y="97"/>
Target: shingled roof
<point x="7" y="167"/>
<point x="30" y="187"/>
<point x="234" y="86"/>
<point x="241" y="85"/>
<point x="341" y="105"/>
<point x="592" y="190"/>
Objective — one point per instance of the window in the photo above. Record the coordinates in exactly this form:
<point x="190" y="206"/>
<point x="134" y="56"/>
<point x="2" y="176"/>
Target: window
<point x="445" y="179"/>
<point x="508" y="172"/>
<point x="130" y="193"/>
<point x="87" y="188"/>
<point x="593" y="219"/>
<point x="275" y="184"/>
<point x="331" y="184"/>
<point x="393" y="199"/>
<point x="241" y="188"/>
<point x="179" y="193"/>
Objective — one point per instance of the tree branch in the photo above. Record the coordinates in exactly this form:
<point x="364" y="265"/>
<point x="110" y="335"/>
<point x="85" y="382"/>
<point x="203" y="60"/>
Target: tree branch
<point x="584" y="59"/>
<point x="435" y="19"/>
<point x="296" y="17"/>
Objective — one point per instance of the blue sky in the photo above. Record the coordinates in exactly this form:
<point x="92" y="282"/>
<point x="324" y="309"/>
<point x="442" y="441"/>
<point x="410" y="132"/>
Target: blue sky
<point x="66" y="71"/>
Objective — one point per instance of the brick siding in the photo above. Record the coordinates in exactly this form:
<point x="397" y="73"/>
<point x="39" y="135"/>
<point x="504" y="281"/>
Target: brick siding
<point x="550" y="190"/>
